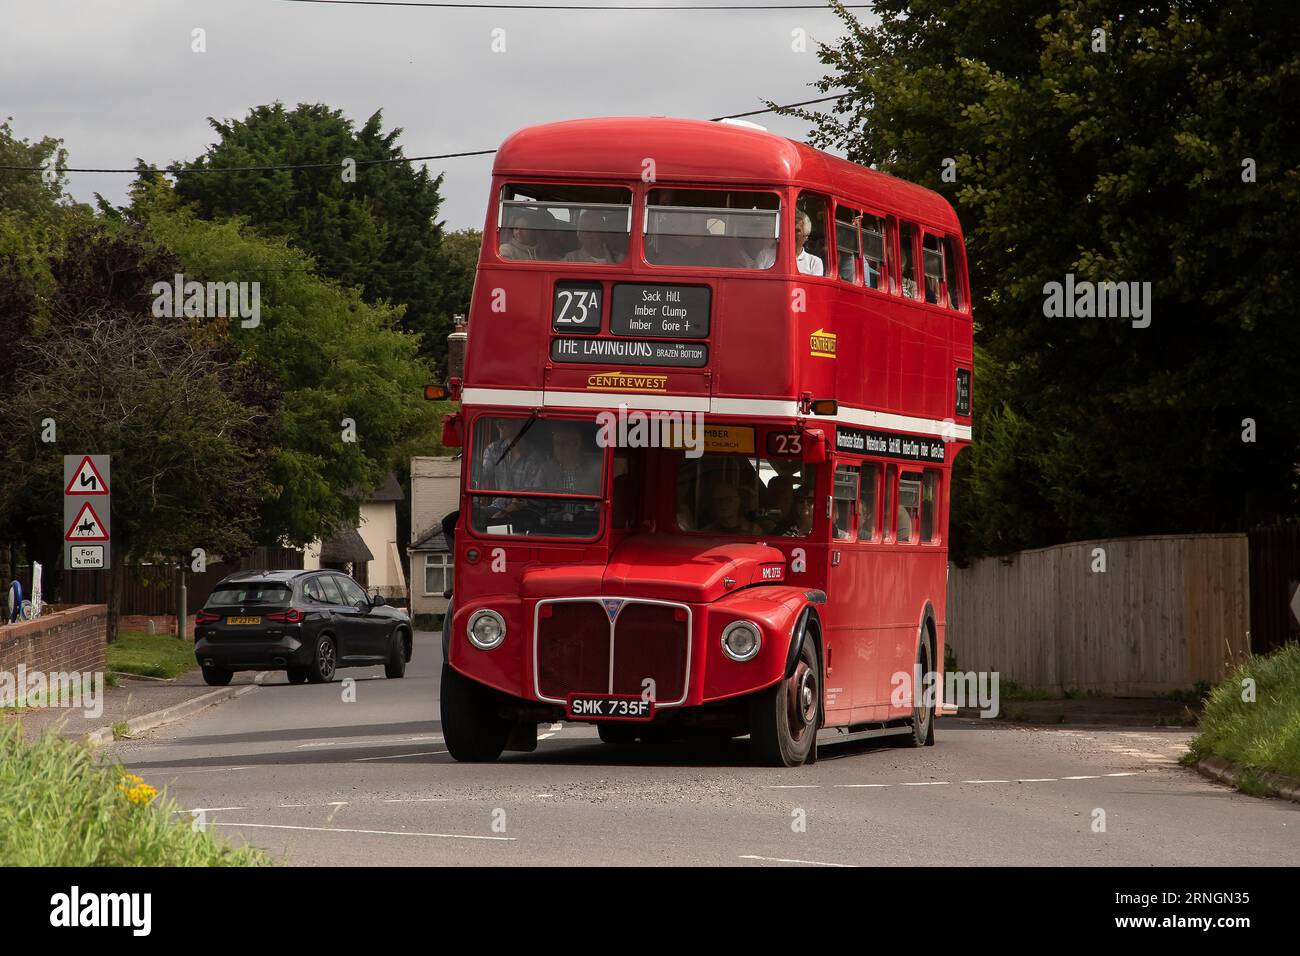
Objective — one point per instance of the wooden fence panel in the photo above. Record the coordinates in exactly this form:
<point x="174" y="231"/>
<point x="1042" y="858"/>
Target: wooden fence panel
<point x="1167" y="612"/>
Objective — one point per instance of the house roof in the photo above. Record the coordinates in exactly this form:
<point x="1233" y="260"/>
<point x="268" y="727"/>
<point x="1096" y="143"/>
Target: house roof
<point x="388" y="490"/>
<point x="431" y="540"/>
<point x="344" y="547"/>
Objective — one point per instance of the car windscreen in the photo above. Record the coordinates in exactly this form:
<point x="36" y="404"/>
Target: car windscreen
<point x="250" y="592"/>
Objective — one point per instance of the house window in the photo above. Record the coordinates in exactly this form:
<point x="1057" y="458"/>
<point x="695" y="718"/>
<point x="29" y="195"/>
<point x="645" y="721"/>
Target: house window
<point x="437" y="574"/>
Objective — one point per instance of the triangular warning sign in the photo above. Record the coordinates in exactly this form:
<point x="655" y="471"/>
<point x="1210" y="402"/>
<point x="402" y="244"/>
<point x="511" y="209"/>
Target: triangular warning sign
<point x="86" y="526"/>
<point x="86" y="480"/>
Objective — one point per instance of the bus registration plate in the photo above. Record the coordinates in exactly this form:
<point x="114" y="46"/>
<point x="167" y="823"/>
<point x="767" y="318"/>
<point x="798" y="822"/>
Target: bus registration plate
<point x="608" y="707"/>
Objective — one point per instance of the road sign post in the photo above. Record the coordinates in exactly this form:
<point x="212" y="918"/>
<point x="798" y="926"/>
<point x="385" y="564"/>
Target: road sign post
<point x="87" y="512"/>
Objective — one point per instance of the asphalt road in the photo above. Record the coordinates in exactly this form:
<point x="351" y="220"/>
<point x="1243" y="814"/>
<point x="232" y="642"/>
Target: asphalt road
<point x="314" y="779"/>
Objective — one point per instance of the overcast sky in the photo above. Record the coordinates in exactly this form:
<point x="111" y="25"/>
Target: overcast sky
<point x="117" y="80"/>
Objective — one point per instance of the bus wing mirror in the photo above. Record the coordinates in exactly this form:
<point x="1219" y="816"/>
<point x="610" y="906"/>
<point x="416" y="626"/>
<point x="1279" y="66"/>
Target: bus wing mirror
<point x="453" y="432"/>
<point x="814" y="445"/>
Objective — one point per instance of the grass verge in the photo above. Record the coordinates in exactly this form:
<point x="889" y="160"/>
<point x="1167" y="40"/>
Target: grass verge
<point x="60" y="807"/>
<point x="150" y="655"/>
<point x="1262" y="734"/>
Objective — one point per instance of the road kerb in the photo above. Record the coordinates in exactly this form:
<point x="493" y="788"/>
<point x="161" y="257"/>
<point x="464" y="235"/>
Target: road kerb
<point x="138" y="725"/>
<point x="1225" y="771"/>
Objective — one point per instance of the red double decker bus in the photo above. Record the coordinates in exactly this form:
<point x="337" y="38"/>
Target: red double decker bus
<point x="714" y="384"/>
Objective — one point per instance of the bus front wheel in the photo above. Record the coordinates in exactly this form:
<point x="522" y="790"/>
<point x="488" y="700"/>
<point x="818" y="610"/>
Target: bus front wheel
<point x="783" y="719"/>
<point x="472" y="726"/>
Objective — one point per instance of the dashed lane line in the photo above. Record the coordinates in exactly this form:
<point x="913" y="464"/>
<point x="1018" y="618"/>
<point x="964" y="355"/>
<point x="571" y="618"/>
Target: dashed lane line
<point x="401" y="833"/>
<point x="779" y="859"/>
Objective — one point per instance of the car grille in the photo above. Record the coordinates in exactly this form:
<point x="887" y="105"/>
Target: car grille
<point x="649" y="640"/>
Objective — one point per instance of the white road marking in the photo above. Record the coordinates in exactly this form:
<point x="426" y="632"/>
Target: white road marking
<point x="426" y="753"/>
<point x="858" y="786"/>
<point x="208" y="770"/>
<point x="368" y="740"/>
<point x="419" y="800"/>
<point x="1086" y="776"/>
<point x="778" y="859"/>
<point x="1037" y="780"/>
<point x="207" y="809"/>
<point x="544" y="736"/>
<point x="404" y="833"/>
<point x="1132" y="773"/>
<point x="928" y="783"/>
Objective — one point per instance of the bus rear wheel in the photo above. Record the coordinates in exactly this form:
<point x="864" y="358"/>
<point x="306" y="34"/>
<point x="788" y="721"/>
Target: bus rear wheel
<point x="783" y="719"/>
<point x="472" y="726"/>
<point x="922" y="734"/>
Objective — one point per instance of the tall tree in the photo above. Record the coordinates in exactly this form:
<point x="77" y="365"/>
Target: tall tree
<point x="156" y="398"/>
<point x="366" y="217"/>
<point x="1115" y="143"/>
<point x="350" y="382"/>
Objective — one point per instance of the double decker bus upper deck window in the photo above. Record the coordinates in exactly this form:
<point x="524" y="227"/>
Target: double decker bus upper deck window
<point x="534" y="476"/>
<point x="955" y="300"/>
<point x="932" y="255"/>
<point x="564" y="223"/>
<point x="718" y="229"/>
<point x="873" y="251"/>
<point x="846" y="243"/>
<point x="907" y="259"/>
<point x="745" y="495"/>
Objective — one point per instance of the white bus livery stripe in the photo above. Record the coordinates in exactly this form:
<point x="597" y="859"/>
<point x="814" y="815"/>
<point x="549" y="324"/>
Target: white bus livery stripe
<point x="739" y="407"/>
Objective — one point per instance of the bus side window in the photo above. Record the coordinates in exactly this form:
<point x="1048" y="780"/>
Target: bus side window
<point x="907" y="259"/>
<point x="932" y="260"/>
<point x="929" y="496"/>
<point x="873" y="252"/>
<point x="846" y="244"/>
<point x="955" y="298"/>
<point x="909" y="508"/>
<point x="887" y="512"/>
<point x="867" y="502"/>
<point x="810" y="227"/>
<point x="846" y="496"/>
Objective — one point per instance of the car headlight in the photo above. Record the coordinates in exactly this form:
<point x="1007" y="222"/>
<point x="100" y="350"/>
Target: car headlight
<point x="487" y="629"/>
<point x="741" y="641"/>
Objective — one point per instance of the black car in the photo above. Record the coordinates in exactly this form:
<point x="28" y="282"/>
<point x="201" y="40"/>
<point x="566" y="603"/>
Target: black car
<point x="307" y="623"/>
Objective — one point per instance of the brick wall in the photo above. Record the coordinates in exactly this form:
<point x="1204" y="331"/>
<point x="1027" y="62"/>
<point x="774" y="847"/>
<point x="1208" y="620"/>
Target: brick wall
<point x="162" y="624"/>
<point x="69" y="640"/>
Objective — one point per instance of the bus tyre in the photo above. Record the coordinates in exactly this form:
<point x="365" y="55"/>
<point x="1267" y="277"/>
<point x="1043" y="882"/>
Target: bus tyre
<point x="922" y="734"/>
<point x="324" y="661"/>
<point x="472" y="726"/>
<point x="395" y="666"/>
<point x="616" y="733"/>
<point x="783" y="719"/>
<point x="216" y="676"/>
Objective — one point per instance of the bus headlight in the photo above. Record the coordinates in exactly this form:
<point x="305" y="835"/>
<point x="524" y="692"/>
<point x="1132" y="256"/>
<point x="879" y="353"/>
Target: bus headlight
<point x="741" y="641"/>
<point x="487" y="629"/>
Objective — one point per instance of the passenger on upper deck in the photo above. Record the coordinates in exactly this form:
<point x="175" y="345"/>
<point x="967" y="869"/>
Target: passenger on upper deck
<point x="591" y="240"/>
<point x="757" y="253"/>
<point x="806" y="262"/>
<point x="519" y="237"/>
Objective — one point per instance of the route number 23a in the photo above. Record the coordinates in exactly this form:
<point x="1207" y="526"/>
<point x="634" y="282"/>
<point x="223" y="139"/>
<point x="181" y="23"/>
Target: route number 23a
<point x="575" y="306"/>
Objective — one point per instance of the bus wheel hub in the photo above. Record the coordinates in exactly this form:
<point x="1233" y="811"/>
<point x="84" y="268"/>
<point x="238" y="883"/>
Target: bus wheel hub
<point x="803" y="696"/>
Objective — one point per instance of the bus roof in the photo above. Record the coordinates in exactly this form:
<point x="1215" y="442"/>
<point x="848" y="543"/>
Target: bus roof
<point x="697" y="151"/>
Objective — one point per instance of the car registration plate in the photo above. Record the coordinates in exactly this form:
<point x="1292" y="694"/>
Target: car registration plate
<point x="243" y="620"/>
<point x="608" y="707"/>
